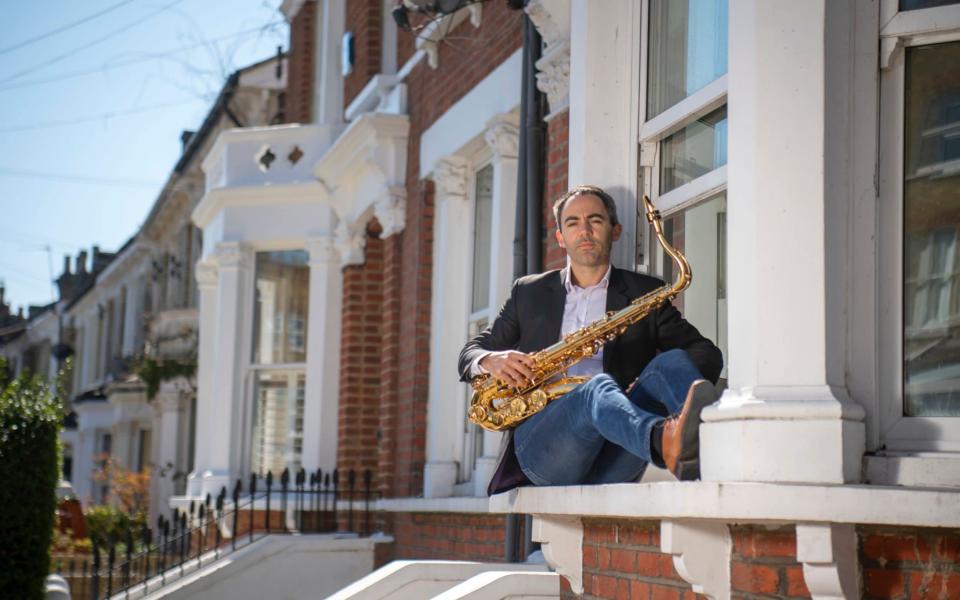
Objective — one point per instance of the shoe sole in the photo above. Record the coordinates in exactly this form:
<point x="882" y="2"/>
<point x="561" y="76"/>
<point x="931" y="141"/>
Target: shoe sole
<point x="703" y="394"/>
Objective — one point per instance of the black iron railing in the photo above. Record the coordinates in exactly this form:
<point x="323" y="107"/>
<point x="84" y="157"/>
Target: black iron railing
<point x="205" y="531"/>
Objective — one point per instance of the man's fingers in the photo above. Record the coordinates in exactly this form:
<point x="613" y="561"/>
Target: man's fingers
<point x="523" y="370"/>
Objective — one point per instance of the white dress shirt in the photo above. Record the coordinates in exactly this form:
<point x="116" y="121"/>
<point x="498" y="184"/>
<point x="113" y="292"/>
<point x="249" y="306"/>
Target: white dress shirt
<point x="582" y="307"/>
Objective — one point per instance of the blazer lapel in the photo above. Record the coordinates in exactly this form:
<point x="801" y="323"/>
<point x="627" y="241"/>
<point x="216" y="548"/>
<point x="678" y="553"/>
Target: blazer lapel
<point x="554" y="304"/>
<point x="617" y="299"/>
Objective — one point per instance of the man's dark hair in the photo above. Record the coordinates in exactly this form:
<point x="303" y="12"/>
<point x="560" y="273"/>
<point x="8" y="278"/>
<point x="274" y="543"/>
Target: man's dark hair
<point x="592" y="190"/>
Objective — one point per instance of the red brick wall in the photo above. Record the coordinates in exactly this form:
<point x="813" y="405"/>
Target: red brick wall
<point x="910" y="563"/>
<point x="406" y="347"/>
<point x="622" y="560"/>
<point x="300" y="64"/>
<point x="364" y="20"/>
<point x="406" y="320"/>
<point x="447" y="536"/>
<point x="360" y="363"/>
<point x="555" y="184"/>
<point x="764" y="563"/>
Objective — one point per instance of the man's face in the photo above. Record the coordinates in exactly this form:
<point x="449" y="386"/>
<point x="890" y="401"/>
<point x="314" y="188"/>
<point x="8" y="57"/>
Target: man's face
<point x="585" y="231"/>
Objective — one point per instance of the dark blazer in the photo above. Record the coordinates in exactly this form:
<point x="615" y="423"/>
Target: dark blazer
<point x="531" y="318"/>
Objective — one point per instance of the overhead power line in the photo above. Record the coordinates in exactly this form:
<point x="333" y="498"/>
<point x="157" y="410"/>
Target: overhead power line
<point x="134" y="61"/>
<point x="99" y="40"/>
<point x="102" y="116"/>
<point x="63" y="28"/>
<point x="79" y="178"/>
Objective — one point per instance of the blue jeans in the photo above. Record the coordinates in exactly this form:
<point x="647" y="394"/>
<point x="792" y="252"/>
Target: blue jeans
<point x="599" y="434"/>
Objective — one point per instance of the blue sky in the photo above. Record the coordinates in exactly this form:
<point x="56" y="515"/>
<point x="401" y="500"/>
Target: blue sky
<point x="93" y="97"/>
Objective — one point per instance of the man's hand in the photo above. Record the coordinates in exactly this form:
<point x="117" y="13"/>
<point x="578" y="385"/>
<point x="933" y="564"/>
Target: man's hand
<point x="511" y="367"/>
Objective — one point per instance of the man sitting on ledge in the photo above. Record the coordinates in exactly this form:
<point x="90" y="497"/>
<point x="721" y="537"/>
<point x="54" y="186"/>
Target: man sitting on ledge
<point x="646" y="389"/>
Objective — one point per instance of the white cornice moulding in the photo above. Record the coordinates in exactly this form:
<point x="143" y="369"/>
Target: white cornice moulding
<point x="217" y="200"/>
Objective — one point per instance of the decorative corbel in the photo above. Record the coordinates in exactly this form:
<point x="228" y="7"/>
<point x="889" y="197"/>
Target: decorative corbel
<point x="351" y="245"/>
<point x="391" y="211"/>
<point x="701" y="554"/>
<point x="450" y="176"/>
<point x="561" y="540"/>
<point x="503" y="136"/>
<point x="828" y="552"/>
<point x="552" y="20"/>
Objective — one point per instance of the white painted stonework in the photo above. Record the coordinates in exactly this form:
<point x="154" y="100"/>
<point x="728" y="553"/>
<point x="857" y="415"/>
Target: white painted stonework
<point x="701" y="554"/>
<point x="786" y="415"/>
<point x="402" y="579"/>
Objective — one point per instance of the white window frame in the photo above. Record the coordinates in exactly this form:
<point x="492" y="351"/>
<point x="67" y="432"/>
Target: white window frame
<point x="471" y="435"/>
<point x="899" y="30"/>
<point x="652" y="132"/>
<point x="252" y="369"/>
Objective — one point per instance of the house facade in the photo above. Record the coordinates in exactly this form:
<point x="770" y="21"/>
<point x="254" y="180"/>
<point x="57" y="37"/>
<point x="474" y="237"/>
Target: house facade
<point x="800" y="154"/>
<point x="803" y="157"/>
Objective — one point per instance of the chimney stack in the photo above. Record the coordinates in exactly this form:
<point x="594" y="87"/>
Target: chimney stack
<point x="66" y="264"/>
<point x="82" y="262"/>
<point x="185" y="136"/>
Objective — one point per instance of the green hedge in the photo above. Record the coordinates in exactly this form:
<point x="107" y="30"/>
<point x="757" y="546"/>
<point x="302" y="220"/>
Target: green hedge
<point x="30" y="419"/>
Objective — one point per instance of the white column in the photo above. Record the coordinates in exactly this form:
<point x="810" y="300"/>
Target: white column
<point x="786" y="415"/>
<point x="604" y="77"/>
<point x="206" y="274"/>
<point x="502" y="137"/>
<point x="328" y="84"/>
<point x="323" y="356"/>
<point x="229" y="426"/>
<point x="448" y="323"/>
<point x="168" y="409"/>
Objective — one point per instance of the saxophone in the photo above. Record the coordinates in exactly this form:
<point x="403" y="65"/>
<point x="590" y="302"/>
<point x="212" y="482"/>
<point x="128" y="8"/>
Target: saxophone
<point x="497" y="406"/>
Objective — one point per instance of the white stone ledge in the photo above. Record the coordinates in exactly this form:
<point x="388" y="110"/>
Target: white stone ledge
<point x="457" y="504"/>
<point x="741" y="502"/>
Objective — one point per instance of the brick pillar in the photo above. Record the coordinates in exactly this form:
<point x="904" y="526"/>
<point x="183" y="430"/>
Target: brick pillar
<point x="360" y="360"/>
<point x="555" y="185"/>
<point x="300" y="64"/>
<point x="390" y="364"/>
<point x="405" y="359"/>
<point x="364" y="20"/>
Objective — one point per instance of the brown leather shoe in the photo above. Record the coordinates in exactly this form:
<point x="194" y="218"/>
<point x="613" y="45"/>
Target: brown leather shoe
<point x="681" y="433"/>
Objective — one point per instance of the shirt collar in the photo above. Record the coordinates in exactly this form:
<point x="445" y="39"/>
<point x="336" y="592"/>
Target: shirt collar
<point x="572" y="287"/>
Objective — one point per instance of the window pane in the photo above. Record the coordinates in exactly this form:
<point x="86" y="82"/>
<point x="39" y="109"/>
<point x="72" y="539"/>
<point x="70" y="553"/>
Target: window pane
<point x="695" y="150"/>
<point x="700" y="234"/>
<point x="482" y="224"/>
<point x="931" y="217"/>
<point x="688" y="49"/>
<point x="277" y="422"/>
<point x="280" y="307"/>
<point x="915" y="4"/>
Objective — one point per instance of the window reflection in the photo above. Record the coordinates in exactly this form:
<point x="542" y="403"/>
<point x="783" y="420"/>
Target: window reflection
<point x="695" y="150"/>
<point x="277" y="422"/>
<point x="931" y="228"/>
<point x="700" y="234"/>
<point x="280" y="307"/>
<point x="688" y="49"/>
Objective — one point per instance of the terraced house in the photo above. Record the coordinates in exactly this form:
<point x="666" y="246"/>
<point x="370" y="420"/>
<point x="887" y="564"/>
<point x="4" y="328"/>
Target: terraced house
<point x="803" y="156"/>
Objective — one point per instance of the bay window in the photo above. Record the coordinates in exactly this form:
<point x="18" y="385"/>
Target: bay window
<point x="278" y="370"/>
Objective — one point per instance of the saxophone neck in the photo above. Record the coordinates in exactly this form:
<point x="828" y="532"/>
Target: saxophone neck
<point x="684" y="276"/>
